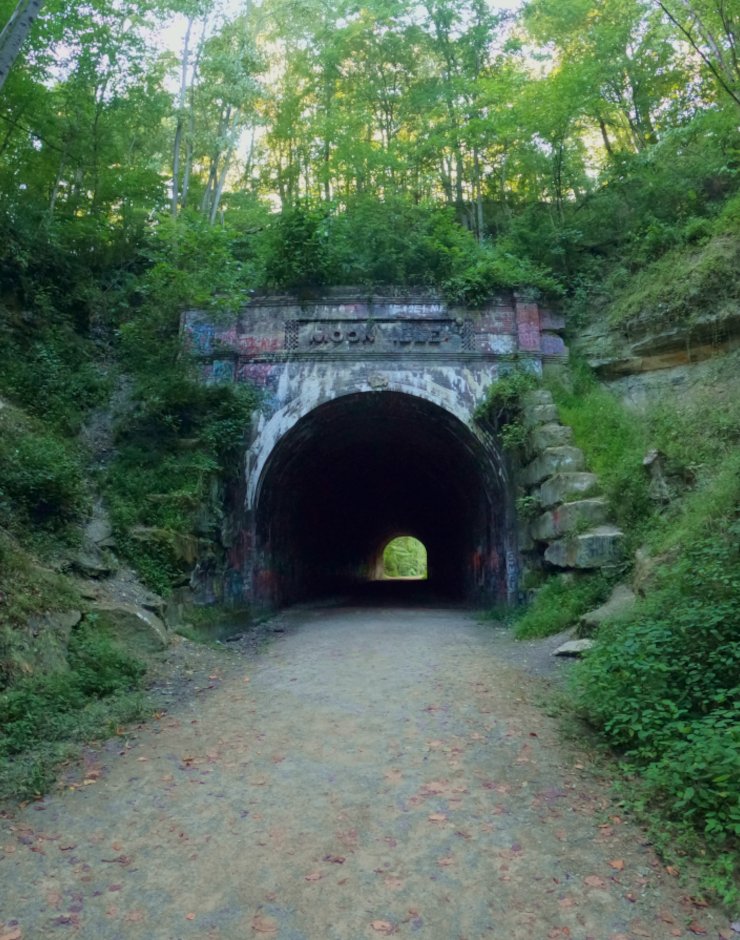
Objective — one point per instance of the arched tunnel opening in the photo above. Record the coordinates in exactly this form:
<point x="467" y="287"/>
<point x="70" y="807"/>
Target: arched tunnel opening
<point x="357" y="471"/>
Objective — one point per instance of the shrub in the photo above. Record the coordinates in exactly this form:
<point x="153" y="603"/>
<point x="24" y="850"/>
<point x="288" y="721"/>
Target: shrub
<point x="47" y="707"/>
<point x="559" y="603"/>
<point x="40" y="477"/>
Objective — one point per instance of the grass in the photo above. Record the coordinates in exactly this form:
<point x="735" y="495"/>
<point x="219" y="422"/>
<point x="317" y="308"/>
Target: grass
<point x="559" y="603"/>
<point x="43" y="717"/>
<point x="686" y="280"/>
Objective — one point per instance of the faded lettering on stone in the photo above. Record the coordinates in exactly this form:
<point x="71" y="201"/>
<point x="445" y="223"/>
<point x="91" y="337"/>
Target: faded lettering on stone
<point x="383" y="334"/>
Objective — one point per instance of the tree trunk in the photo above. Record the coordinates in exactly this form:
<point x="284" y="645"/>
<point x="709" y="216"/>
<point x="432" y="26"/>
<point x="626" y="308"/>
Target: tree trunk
<point x="180" y="122"/>
<point x="15" y="32"/>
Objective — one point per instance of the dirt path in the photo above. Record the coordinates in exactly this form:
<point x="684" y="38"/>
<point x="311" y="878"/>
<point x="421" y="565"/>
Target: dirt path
<point x="374" y="772"/>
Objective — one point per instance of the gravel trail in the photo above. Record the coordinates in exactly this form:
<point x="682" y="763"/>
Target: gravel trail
<point x="374" y="772"/>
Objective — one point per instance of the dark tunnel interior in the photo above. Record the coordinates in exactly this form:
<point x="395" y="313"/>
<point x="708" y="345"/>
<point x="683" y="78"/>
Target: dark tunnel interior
<point x="364" y="468"/>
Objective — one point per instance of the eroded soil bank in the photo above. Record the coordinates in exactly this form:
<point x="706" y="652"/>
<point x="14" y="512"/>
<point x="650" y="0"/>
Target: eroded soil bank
<point x="375" y="771"/>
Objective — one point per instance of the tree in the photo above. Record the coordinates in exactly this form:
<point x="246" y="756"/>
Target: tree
<point x="15" y="32"/>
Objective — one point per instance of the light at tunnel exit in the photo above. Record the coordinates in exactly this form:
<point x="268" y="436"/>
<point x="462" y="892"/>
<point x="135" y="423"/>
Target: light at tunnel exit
<point x="404" y="558"/>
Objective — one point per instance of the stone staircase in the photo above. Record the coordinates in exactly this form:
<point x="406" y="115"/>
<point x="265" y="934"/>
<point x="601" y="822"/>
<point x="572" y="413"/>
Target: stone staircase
<point x="573" y="530"/>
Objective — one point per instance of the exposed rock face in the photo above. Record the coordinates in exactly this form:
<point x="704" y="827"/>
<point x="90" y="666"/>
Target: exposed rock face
<point x="646" y="361"/>
<point x="56" y="628"/>
<point x="137" y="628"/>
<point x="620" y="602"/>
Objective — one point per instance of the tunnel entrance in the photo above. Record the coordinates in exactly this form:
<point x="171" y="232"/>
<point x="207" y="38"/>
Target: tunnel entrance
<point x="363" y="468"/>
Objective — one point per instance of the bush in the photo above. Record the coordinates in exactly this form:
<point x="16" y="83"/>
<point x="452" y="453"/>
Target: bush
<point x="559" y="603"/>
<point x="47" y="707"/>
<point x="41" y="478"/>
<point x="614" y="443"/>
<point x="663" y="686"/>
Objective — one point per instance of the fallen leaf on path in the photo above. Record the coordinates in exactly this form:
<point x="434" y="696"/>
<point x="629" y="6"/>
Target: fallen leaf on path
<point x="593" y="881"/>
<point x="696" y="927"/>
<point x="261" y="924"/>
<point x="313" y="876"/>
<point x="383" y="926"/>
<point x="617" y="864"/>
<point x="437" y="817"/>
<point x="336" y="859"/>
<point x="672" y="870"/>
<point x="190" y="916"/>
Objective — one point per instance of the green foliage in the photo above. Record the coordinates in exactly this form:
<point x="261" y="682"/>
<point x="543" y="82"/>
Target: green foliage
<point x="502" y="407"/>
<point x="663" y="686"/>
<point x="41" y="476"/>
<point x="559" y="603"/>
<point x="687" y="281"/>
<point x="41" y="714"/>
<point x="180" y="437"/>
<point x="492" y="269"/>
<point x="614" y="444"/>
<point x="405" y="557"/>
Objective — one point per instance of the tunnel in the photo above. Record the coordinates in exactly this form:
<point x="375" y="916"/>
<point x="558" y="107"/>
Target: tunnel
<point x="363" y="468"/>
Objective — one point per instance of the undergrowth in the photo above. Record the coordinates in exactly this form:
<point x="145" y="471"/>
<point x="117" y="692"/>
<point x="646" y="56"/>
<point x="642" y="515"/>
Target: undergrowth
<point x="42" y="716"/>
<point x="559" y="603"/>
<point x="661" y="685"/>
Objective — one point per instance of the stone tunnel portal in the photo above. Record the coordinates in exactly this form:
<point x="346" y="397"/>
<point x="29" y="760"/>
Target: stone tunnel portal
<point x="357" y="471"/>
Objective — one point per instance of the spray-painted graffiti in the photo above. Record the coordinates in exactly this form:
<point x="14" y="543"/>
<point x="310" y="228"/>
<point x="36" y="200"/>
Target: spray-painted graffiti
<point x="528" y="327"/>
<point x="512" y="575"/>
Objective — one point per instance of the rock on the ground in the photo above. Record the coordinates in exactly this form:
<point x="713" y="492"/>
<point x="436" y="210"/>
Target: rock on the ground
<point x="90" y="562"/>
<point x="574" y="648"/>
<point x="620" y="602"/>
<point x="138" y="628"/>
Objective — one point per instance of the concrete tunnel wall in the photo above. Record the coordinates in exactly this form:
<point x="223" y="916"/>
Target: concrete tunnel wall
<point x="362" y="468"/>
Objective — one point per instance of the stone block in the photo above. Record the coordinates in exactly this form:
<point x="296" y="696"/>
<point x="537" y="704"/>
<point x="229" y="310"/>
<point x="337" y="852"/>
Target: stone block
<point x="551" y="461"/>
<point x="596" y="548"/>
<point x="537" y="396"/>
<point x="564" y="486"/>
<point x="620" y="602"/>
<point x="137" y="628"/>
<point x="550" y="435"/>
<point x="535" y="415"/>
<point x="567" y="518"/>
<point x="574" y="648"/>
